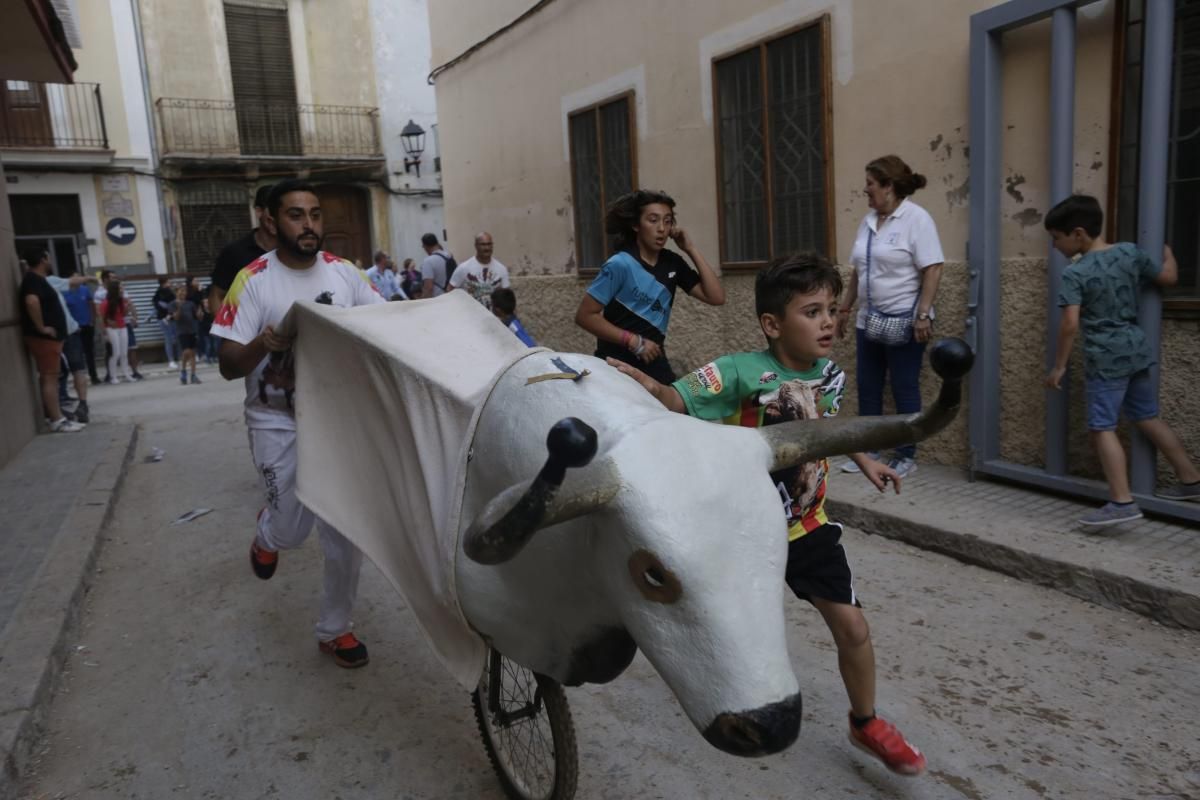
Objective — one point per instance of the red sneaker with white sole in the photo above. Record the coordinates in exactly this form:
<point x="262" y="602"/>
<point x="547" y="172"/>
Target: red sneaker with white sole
<point x="881" y="739"/>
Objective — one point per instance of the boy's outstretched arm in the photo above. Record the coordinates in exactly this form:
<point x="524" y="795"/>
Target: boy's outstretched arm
<point x="1067" y="329"/>
<point x="663" y="393"/>
<point x="1169" y="274"/>
<point x="877" y="472"/>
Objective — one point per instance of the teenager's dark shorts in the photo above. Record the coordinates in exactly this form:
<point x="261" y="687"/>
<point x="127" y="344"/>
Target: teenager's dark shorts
<point x="817" y="567"/>
<point x="187" y="341"/>
<point x="132" y="338"/>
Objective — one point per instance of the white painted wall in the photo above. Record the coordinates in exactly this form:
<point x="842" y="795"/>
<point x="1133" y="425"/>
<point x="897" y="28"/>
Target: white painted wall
<point x="400" y="29"/>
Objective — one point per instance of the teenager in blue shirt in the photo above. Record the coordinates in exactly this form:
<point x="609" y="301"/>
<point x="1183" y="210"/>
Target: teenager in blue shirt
<point x="628" y="306"/>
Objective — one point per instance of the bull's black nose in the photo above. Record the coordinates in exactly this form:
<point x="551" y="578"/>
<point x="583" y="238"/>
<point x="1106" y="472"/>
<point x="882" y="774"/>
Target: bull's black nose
<point x="759" y="731"/>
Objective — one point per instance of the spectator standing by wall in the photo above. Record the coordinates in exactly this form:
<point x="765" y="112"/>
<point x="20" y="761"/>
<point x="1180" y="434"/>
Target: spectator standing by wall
<point x="115" y="324"/>
<point x="410" y="279"/>
<point x="897" y="260"/>
<point x="383" y="277"/>
<point x="186" y="314"/>
<point x="72" y="355"/>
<point x="44" y="325"/>
<point x="81" y="303"/>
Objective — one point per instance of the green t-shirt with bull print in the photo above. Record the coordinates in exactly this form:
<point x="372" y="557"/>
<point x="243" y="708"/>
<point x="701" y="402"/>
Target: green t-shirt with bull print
<point x="753" y="390"/>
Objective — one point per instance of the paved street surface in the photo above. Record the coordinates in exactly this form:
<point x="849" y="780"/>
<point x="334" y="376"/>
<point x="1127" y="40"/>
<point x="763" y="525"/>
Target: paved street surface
<point x="192" y="679"/>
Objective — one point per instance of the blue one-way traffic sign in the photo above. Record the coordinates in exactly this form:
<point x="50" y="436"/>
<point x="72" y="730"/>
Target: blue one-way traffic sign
<point x="120" y="230"/>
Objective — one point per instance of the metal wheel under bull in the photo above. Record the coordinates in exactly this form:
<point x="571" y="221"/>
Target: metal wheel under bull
<point x="527" y="731"/>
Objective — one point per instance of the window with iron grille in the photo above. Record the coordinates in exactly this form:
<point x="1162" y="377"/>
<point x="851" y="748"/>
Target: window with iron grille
<point x="1183" y="165"/>
<point x="602" y="169"/>
<point x="212" y="214"/>
<point x="771" y="106"/>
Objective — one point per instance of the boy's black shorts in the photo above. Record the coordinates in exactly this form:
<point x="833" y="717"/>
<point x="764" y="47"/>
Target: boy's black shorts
<point x="187" y="341"/>
<point x="817" y="567"/>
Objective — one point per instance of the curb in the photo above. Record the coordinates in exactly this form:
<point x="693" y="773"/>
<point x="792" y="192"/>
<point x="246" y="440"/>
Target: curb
<point x="1162" y="604"/>
<point x="36" y="643"/>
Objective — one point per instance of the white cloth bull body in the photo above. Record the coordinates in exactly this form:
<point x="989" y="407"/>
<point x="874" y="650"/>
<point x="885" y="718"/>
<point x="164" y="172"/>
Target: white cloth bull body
<point x="419" y="435"/>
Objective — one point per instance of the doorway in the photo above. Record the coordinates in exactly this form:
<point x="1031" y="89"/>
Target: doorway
<point x="346" y="212"/>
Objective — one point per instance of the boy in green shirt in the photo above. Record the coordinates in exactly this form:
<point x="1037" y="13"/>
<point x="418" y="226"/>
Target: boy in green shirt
<point x="796" y="302"/>
<point x="1100" y="294"/>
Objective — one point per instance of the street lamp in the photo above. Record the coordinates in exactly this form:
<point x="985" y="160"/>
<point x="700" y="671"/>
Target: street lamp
<point x="413" y="139"/>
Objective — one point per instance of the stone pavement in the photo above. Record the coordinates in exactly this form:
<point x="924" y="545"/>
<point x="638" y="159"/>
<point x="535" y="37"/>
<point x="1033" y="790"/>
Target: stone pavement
<point x="1151" y="567"/>
<point x="56" y="496"/>
<point x="58" y="493"/>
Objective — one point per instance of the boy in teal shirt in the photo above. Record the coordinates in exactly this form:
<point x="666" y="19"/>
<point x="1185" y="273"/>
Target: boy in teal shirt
<point x="1100" y="294"/>
<point x="794" y="378"/>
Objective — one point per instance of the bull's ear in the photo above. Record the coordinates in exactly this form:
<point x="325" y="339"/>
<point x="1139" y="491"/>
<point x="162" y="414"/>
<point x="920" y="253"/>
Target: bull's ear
<point x="797" y="442"/>
<point x="509" y="520"/>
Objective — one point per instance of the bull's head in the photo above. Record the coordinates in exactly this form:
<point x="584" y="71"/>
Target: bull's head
<point x="508" y="522"/>
<point x="681" y="623"/>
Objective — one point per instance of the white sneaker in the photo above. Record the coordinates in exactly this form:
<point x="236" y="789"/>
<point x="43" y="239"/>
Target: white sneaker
<point x="65" y="425"/>
<point x="852" y="468"/>
<point x="903" y="466"/>
<point x="172" y="365"/>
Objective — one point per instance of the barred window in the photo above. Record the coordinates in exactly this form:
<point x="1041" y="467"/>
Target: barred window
<point x="1183" y="166"/>
<point x="212" y="214"/>
<point x="771" y="105"/>
<point x="602" y="169"/>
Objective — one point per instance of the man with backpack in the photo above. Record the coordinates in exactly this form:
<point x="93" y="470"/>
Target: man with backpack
<point x="437" y="267"/>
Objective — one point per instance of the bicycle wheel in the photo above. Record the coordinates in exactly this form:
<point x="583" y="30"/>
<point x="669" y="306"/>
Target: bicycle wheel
<point x="527" y="730"/>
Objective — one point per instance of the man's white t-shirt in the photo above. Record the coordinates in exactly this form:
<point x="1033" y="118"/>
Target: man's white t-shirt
<point x="480" y="279"/>
<point x="260" y="296"/>
<point x="901" y="249"/>
<point x="433" y="268"/>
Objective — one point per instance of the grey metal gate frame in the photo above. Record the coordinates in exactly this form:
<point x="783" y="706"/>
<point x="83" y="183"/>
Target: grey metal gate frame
<point x="983" y="251"/>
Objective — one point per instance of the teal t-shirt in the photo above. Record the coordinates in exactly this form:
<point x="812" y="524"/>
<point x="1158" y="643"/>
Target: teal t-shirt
<point x="1105" y="285"/>
<point x="753" y="390"/>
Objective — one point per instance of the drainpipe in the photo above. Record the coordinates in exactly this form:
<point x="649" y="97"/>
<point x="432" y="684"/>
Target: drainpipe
<point x="164" y="219"/>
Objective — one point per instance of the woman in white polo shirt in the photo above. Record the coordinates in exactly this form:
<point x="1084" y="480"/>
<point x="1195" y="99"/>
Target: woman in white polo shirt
<point x="897" y="260"/>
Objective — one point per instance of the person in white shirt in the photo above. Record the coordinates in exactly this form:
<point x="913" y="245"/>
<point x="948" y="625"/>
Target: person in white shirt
<point x="897" y="260"/>
<point x="257" y="301"/>
<point x="384" y="278"/>
<point x="483" y="274"/>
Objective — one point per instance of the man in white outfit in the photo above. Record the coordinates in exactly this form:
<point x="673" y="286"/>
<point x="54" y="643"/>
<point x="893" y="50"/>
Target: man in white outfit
<point x="257" y="301"/>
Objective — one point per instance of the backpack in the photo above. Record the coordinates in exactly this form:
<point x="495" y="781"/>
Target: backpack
<point x="451" y="265"/>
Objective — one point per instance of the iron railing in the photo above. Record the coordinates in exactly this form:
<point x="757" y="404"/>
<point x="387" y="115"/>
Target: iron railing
<point x="207" y="128"/>
<point x="37" y="114"/>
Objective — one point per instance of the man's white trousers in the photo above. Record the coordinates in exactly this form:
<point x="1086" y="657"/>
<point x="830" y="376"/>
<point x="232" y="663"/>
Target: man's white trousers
<point x="285" y="523"/>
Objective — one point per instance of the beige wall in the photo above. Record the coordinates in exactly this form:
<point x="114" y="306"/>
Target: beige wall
<point x="340" y="52"/>
<point x="97" y="61"/>
<point x="18" y="397"/>
<point x="187" y="53"/>
<point x="506" y="169"/>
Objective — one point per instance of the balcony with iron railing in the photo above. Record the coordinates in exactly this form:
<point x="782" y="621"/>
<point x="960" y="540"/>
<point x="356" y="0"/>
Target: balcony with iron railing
<point x="214" y="129"/>
<point x="36" y="115"/>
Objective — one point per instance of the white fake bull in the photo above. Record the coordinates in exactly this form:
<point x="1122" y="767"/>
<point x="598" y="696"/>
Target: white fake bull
<point x="645" y="528"/>
<point x="671" y="539"/>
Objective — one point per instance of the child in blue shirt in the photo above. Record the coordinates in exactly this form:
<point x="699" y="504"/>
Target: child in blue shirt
<point x="1100" y="295"/>
<point x="504" y="306"/>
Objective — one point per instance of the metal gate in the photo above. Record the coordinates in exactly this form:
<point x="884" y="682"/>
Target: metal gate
<point x="983" y="309"/>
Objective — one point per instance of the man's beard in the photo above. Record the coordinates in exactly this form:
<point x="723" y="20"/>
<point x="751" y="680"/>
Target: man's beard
<point x="295" y="247"/>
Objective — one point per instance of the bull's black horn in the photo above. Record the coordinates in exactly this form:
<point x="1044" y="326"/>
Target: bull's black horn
<point x="809" y="440"/>
<point x="511" y="518"/>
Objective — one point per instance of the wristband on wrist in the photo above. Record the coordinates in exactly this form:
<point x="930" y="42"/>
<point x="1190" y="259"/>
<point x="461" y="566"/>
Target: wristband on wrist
<point x="641" y="347"/>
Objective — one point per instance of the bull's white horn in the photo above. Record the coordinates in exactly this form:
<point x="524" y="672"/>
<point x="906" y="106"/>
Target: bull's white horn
<point x="509" y="520"/>
<point x="809" y="440"/>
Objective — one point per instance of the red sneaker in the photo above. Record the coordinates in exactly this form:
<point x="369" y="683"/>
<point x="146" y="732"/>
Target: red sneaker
<point x="263" y="561"/>
<point x="347" y="651"/>
<point x="881" y="739"/>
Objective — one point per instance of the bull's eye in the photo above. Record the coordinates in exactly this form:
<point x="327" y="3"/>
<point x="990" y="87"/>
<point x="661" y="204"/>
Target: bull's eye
<point x="653" y="580"/>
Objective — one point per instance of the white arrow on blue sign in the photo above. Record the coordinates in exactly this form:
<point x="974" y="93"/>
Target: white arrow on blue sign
<point x="120" y="230"/>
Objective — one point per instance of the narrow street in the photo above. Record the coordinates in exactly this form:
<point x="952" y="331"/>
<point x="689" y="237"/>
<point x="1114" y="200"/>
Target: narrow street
<point x="190" y="678"/>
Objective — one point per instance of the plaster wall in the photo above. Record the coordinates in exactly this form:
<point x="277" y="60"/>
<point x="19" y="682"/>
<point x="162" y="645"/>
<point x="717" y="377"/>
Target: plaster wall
<point x="338" y="41"/>
<point x="187" y="52"/>
<point x="18" y="395"/>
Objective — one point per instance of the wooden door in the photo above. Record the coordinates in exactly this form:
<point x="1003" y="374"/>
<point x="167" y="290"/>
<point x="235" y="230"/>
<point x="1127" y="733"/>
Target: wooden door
<point x="24" y="115"/>
<point x="346" y="213"/>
